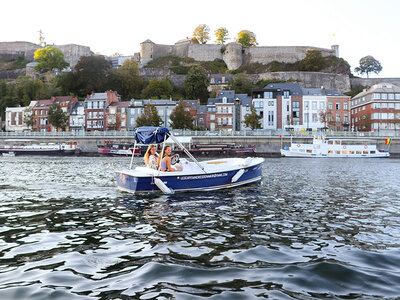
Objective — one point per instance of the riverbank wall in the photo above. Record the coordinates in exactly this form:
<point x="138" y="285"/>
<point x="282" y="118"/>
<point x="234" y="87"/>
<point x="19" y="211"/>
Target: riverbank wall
<point x="266" y="146"/>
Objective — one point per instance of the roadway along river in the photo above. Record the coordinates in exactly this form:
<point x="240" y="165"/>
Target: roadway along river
<point x="314" y="228"/>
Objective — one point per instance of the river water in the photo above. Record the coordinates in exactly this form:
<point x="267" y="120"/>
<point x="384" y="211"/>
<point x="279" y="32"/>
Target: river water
<point x="314" y="228"/>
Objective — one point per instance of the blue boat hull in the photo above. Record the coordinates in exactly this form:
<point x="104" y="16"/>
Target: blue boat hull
<point x="199" y="182"/>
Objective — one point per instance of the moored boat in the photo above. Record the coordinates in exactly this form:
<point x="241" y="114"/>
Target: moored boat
<point x="194" y="175"/>
<point x="323" y="147"/>
<point x="117" y="149"/>
<point x="35" y="147"/>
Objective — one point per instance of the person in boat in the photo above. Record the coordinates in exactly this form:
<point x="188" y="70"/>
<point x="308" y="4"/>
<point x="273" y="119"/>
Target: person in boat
<point x="150" y="157"/>
<point x="165" y="162"/>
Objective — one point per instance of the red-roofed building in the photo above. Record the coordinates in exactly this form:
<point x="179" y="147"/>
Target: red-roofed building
<point x="116" y="116"/>
<point x="41" y="109"/>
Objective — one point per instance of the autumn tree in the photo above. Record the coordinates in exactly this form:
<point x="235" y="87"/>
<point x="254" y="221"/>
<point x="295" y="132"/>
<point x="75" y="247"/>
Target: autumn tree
<point x="196" y="84"/>
<point x="201" y="33"/>
<point x="252" y="120"/>
<point x="221" y="35"/>
<point x="246" y="38"/>
<point x="149" y="117"/>
<point x="368" y="64"/>
<point x="49" y="58"/>
<point x="57" y="117"/>
<point x="180" y="118"/>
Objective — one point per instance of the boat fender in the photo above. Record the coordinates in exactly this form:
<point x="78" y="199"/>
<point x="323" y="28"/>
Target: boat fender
<point x="247" y="161"/>
<point x="237" y="175"/>
<point x="162" y="186"/>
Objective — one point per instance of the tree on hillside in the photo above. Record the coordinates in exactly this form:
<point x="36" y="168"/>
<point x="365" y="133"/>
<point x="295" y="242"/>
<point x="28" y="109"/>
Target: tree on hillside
<point x="57" y="117"/>
<point x="91" y="74"/>
<point x="313" y="61"/>
<point x="252" y="120"/>
<point x="180" y="118"/>
<point x="221" y="35"/>
<point x="149" y="117"/>
<point x="246" y="38"/>
<point x="158" y="89"/>
<point x="196" y="84"/>
<point x="241" y="84"/>
<point x="368" y="64"/>
<point x="49" y="58"/>
<point x="126" y="80"/>
<point x="201" y="33"/>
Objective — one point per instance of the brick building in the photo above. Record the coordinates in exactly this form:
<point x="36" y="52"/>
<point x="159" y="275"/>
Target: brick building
<point x="376" y="108"/>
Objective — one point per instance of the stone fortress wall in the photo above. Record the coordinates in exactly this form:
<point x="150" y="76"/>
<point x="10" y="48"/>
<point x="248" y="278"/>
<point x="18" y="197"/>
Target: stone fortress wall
<point x="72" y="52"/>
<point x="234" y="54"/>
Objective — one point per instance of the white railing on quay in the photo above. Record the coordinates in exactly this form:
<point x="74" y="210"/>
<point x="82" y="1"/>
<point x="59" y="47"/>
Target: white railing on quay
<point x="220" y="133"/>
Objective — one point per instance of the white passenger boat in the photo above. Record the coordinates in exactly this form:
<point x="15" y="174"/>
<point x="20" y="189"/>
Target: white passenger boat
<point x="194" y="176"/>
<point x="9" y="154"/>
<point x="323" y="147"/>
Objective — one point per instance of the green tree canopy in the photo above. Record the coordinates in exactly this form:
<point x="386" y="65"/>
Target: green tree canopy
<point x="368" y="64"/>
<point x="252" y="120"/>
<point x="241" y="84"/>
<point x="313" y="61"/>
<point x="180" y="118"/>
<point x="149" y="117"/>
<point x="57" y="117"/>
<point x="126" y="80"/>
<point x="196" y="84"/>
<point x="91" y="74"/>
<point x="221" y="35"/>
<point x="246" y="38"/>
<point x="158" y="89"/>
<point x="49" y="58"/>
<point x="201" y="33"/>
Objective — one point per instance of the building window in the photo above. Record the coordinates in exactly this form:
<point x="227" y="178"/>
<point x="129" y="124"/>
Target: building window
<point x="337" y="105"/>
<point x="384" y="96"/>
<point x="397" y="96"/>
<point x="268" y="95"/>
<point x="377" y="96"/>
<point x="286" y="94"/>
<point x="337" y="117"/>
<point x="314" y="105"/>
<point x="270" y="103"/>
<point x="330" y="105"/>
<point x="270" y="118"/>
<point x="306" y="105"/>
<point x="224" y="100"/>
<point x="229" y="109"/>
<point x="296" y="104"/>
<point x="314" y="117"/>
<point x="322" y="105"/>
<point x="346" y="118"/>
<point x="345" y="105"/>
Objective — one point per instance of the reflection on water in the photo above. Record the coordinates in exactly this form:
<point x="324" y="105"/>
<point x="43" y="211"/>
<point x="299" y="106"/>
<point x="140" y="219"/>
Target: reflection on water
<point x="313" y="228"/>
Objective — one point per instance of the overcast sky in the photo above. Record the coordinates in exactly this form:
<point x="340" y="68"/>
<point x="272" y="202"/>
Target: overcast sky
<point x="359" y="27"/>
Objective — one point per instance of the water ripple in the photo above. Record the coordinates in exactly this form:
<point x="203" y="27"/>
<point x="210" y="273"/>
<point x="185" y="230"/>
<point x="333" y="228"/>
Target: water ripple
<point x="311" y="229"/>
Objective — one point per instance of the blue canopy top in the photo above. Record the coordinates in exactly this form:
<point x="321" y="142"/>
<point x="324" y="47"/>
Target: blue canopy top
<point x="151" y="135"/>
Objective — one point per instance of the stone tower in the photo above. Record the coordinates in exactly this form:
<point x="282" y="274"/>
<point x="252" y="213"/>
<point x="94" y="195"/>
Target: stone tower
<point x="233" y="56"/>
<point x="336" y="49"/>
<point x="146" y="51"/>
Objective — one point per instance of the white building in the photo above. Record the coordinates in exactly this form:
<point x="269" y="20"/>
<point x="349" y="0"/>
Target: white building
<point x="314" y="103"/>
<point x="77" y="117"/>
<point x="15" y="117"/>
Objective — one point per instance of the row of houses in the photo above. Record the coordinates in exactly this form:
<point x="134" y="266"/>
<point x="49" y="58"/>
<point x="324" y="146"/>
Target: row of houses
<point x="279" y="105"/>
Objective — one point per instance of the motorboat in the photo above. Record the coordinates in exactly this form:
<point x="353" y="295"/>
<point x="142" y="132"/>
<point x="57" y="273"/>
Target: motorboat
<point x="193" y="175"/>
<point x="324" y="147"/>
